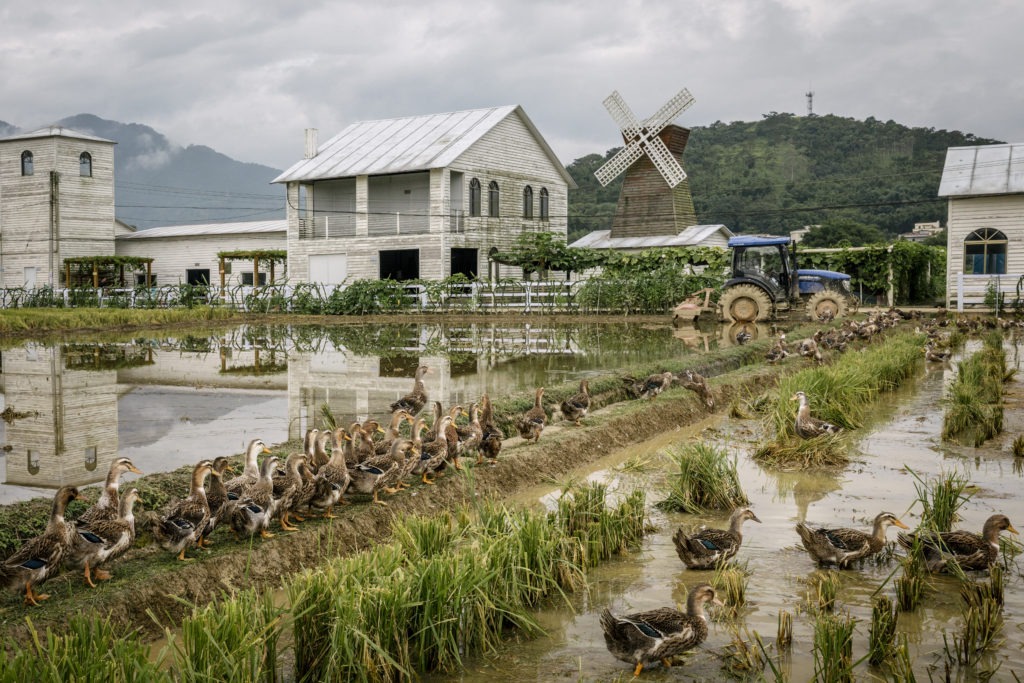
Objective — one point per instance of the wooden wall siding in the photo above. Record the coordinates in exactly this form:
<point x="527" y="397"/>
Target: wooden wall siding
<point x="174" y="255"/>
<point x="187" y="369"/>
<point x="647" y="206"/>
<point x="1003" y="212"/>
<point x="398" y="204"/>
<point x="86" y="208"/>
<point x="508" y="154"/>
<point x="80" y="405"/>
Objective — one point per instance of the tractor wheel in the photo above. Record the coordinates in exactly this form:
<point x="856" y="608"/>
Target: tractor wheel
<point x="745" y="304"/>
<point x="825" y="306"/>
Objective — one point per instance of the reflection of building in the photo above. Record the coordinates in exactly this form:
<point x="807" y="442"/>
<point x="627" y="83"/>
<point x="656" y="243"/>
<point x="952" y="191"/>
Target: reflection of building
<point x="64" y="429"/>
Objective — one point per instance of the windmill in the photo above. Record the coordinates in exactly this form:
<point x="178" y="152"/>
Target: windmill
<point x="655" y="197"/>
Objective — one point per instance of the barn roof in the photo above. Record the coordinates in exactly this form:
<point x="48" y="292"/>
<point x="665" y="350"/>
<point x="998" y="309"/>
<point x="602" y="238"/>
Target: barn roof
<point x="248" y="227"/>
<point x="56" y="131"/>
<point x="691" y="236"/>
<point x="413" y="143"/>
<point x="983" y="170"/>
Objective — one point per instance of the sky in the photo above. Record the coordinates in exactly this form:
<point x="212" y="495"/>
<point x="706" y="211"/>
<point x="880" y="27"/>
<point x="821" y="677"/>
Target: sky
<point x="247" y="77"/>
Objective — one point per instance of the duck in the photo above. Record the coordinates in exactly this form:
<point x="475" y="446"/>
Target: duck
<point x="181" y="526"/>
<point x="470" y="435"/>
<point x="319" y="455"/>
<point x="658" y="635"/>
<point x="393" y="431"/>
<point x="289" y="491"/>
<point x="968" y="550"/>
<point x="336" y="475"/>
<point x="256" y="505"/>
<point x="808" y="427"/>
<point x="414" y="401"/>
<point x="437" y="411"/>
<point x="842" y="546"/>
<point x="490" y="436"/>
<point x="363" y="446"/>
<point x="309" y="444"/>
<point x="935" y="355"/>
<point x="697" y="383"/>
<point x="576" y="407"/>
<point x="808" y="348"/>
<point x="383" y="472"/>
<point x="107" y="506"/>
<point x="743" y="336"/>
<point x="708" y="547"/>
<point x="251" y="471"/>
<point x="432" y="453"/>
<point x="532" y="422"/>
<point x="218" y="498"/>
<point x="655" y="384"/>
<point x="41" y="558"/>
<point x="103" y="540"/>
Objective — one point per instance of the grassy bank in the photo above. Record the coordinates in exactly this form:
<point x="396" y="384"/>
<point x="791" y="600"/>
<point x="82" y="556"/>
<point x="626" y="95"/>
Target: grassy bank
<point x="25" y="322"/>
<point x="974" y="402"/>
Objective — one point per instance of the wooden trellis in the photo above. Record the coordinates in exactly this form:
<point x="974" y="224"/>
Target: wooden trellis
<point x="94" y="265"/>
<point x="271" y="256"/>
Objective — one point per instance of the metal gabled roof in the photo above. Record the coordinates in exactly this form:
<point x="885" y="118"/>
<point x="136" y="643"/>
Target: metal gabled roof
<point x="403" y="145"/>
<point x="983" y="170"/>
<point x="247" y="227"/>
<point x="56" y="131"/>
<point x="757" y="240"/>
<point x="691" y="236"/>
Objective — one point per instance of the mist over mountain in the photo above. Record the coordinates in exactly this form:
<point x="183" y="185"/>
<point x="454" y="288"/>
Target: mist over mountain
<point x="157" y="182"/>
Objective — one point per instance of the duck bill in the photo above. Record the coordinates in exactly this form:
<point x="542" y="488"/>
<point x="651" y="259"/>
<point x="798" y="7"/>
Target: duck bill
<point x="718" y="602"/>
<point x="900" y="524"/>
<point x="266" y="450"/>
<point x="133" y="469"/>
<point x="1011" y="529"/>
<point x="794" y="397"/>
<point x="754" y="518"/>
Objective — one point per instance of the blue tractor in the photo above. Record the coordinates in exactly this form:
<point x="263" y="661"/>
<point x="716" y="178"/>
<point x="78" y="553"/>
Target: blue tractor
<point x="765" y="281"/>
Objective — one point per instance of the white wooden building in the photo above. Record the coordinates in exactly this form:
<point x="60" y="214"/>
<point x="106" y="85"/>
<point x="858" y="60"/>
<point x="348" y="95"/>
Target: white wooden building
<point x="421" y="197"/>
<point x="984" y="186"/>
<point x="187" y="254"/>
<point x="56" y="202"/>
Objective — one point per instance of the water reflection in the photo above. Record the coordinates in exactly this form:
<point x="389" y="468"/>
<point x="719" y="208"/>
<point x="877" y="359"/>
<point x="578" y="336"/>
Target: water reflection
<point x="167" y="401"/>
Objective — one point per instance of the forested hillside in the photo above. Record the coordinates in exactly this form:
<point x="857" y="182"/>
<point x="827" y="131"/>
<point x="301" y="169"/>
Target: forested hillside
<point x="787" y="171"/>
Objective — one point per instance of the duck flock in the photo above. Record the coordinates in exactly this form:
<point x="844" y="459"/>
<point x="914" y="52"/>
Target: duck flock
<point x="367" y="458"/>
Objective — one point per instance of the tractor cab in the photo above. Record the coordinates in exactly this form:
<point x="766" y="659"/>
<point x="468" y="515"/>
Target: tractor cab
<point x="765" y="262"/>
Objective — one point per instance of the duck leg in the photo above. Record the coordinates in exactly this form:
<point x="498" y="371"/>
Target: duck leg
<point x="181" y="556"/>
<point x="286" y="524"/>
<point x="456" y="463"/>
<point x="425" y="480"/>
<point x="328" y="514"/>
<point x="638" y="669"/>
<point x="33" y="598"/>
<point x="667" y="663"/>
<point x="377" y="500"/>
<point x="101" y="575"/>
<point x="88" y="576"/>
<point x="265" y="534"/>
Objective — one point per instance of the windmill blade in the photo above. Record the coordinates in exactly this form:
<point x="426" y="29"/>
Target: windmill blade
<point x="669" y="112"/>
<point x="622" y="114"/>
<point x="663" y="160"/>
<point x="622" y="160"/>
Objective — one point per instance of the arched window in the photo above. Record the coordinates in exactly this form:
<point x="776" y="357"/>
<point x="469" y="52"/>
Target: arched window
<point x="545" y="213"/>
<point x="474" y="197"/>
<point x="527" y="202"/>
<point x="492" y="199"/>
<point x="985" y="252"/>
<point x="85" y="165"/>
<point x="26" y="163"/>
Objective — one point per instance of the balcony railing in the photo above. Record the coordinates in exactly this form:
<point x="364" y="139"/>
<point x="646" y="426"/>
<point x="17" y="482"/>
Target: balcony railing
<point x="327" y="226"/>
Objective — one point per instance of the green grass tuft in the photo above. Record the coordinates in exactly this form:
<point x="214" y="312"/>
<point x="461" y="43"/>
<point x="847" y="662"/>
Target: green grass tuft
<point x="705" y="479"/>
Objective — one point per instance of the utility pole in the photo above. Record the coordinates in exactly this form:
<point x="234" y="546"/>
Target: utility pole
<point x="810" y="102"/>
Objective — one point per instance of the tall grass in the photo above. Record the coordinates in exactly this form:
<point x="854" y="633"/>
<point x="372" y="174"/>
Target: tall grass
<point x="833" y="648"/>
<point x="840" y="394"/>
<point x="582" y="513"/>
<point x="235" y="639"/>
<point x="882" y="633"/>
<point x="91" y="650"/>
<point x="731" y="582"/>
<point x="27" y="320"/>
<point x="974" y="408"/>
<point x="705" y="479"/>
<point x="941" y="498"/>
<point x="822" y="590"/>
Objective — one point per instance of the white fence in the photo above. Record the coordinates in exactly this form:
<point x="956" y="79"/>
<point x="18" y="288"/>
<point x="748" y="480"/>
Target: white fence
<point x="991" y="291"/>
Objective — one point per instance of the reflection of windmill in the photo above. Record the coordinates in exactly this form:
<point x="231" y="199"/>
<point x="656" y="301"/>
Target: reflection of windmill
<point x="655" y="197"/>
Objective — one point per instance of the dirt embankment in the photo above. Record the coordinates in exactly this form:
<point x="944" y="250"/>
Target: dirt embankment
<point x="150" y="582"/>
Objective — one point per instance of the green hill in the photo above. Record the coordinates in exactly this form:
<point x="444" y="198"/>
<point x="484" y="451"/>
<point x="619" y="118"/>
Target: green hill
<point x="787" y="171"/>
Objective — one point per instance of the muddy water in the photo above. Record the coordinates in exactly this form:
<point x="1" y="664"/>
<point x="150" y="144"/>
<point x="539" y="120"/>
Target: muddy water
<point x="904" y="433"/>
<point x="169" y="401"/>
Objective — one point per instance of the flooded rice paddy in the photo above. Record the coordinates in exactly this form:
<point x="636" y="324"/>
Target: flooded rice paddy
<point x="167" y="401"/>
<point x="902" y="434"/>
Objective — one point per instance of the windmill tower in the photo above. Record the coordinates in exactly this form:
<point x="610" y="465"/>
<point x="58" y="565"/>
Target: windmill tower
<point x="655" y="197"/>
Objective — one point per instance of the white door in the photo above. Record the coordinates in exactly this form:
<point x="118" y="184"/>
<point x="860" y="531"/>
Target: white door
<point x="328" y="269"/>
<point x="30" y="277"/>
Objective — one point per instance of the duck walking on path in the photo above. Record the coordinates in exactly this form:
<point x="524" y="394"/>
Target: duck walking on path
<point x="41" y="558"/>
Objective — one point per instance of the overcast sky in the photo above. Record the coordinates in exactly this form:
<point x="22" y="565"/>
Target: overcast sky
<point x="247" y="77"/>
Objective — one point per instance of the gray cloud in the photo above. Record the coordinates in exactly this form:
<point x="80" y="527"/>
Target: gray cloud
<point x="246" y="77"/>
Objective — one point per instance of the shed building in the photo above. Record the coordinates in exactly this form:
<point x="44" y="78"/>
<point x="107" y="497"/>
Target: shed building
<point x="984" y="186"/>
<point x="693" y="236"/>
<point x="422" y="196"/>
<point x="187" y="254"/>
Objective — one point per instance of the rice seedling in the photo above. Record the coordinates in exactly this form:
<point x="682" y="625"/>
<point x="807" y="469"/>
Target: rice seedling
<point x="637" y="464"/>
<point x="828" y="451"/>
<point x="706" y="479"/>
<point x="784" y="632"/>
<point x="982" y="623"/>
<point x="743" y="658"/>
<point x="822" y="589"/>
<point x="90" y="649"/>
<point x="1018" y="446"/>
<point x="974" y="411"/>
<point x="902" y="666"/>
<point x="882" y="633"/>
<point x="833" y="648"/>
<point x="941" y="498"/>
<point x="910" y="586"/>
<point x="234" y="639"/>
<point x="582" y="514"/>
<point x="731" y="580"/>
<point x="421" y="536"/>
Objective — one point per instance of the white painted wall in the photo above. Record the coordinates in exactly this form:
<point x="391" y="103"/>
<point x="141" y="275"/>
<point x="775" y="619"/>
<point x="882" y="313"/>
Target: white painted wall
<point x="174" y="255"/>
